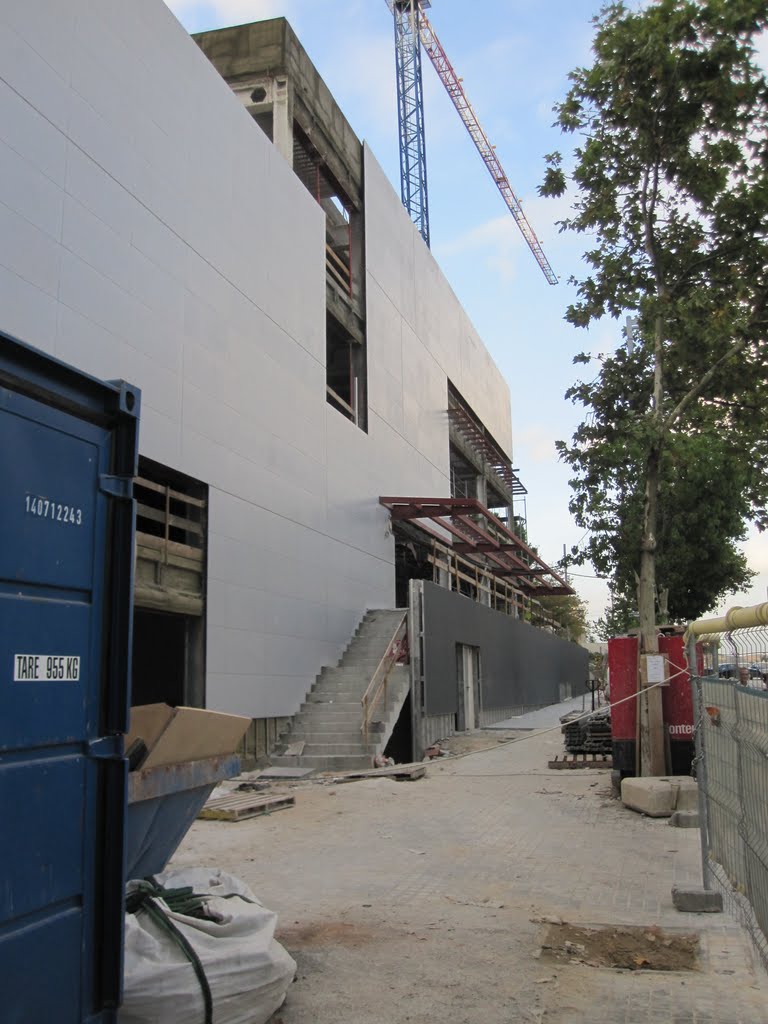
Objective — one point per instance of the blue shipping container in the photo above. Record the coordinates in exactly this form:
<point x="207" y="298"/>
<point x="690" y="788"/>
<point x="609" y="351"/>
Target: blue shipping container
<point x="68" y="448"/>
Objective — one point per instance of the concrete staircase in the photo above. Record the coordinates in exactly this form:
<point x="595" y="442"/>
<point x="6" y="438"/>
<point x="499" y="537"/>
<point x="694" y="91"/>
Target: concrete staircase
<point x="330" y="719"/>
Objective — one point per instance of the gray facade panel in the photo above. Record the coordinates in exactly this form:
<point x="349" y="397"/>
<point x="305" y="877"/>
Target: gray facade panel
<point x="152" y="232"/>
<point x="520" y="664"/>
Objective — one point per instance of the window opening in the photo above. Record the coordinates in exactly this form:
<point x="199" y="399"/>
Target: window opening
<point x="463" y="475"/>
<point x="170" y="588"/>
<point x="474" y="450"/>
<point x="339" y="211"/>
<point x="345" y="381"/>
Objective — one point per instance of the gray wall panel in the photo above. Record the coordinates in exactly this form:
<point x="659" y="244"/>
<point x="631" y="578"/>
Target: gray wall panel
<point x="520" y="664"/>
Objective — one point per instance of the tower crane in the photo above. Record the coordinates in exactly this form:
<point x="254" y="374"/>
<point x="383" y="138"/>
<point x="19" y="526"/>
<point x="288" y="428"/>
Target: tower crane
<point x="412" y="32"/>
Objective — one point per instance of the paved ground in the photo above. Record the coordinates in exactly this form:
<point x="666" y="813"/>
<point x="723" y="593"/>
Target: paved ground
<point x="426" y="901"/>
<point x="546" y="718"/>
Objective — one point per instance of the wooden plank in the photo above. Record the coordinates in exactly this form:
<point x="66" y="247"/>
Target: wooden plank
<point x="337" y="398"/>
<point x="239" y="806"/>
<point x="159" y="516"/>
<point x="344" y="281"/>
<point x="157" y="556"/>
<point x="150" y="485"/>
<point x="174" y="547"/>
<point x="165" y="600"/>
<point x="410" y="772"/>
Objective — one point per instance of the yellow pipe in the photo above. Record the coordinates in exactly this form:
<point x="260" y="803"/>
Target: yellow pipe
<point x="736" y="618"/>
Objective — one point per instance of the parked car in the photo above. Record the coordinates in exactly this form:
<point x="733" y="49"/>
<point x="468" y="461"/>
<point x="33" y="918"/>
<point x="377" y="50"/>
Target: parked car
<point x="728" y="670"/>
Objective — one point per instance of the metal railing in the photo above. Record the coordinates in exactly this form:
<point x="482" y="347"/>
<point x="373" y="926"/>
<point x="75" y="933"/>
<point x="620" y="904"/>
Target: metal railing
<point x="377" y="688"/>
<point x="731" y="733"/>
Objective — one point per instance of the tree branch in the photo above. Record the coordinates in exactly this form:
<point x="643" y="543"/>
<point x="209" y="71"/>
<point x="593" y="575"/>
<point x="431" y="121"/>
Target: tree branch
<point x="694" y="265"/>
<point x="736" y="348"/>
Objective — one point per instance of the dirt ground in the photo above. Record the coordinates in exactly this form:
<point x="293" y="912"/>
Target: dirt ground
<point x="630" y="949"/>
<point x="434" y="899"/>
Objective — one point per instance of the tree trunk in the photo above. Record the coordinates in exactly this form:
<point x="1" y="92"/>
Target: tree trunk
<point x="652" y="746"/>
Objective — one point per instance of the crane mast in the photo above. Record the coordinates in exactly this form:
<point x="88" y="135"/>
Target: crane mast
<point x="410" y="113"/>
<point x="415" y="28"/>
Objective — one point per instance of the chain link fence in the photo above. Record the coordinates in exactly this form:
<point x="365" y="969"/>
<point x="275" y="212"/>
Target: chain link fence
<point x="731" y="763"/>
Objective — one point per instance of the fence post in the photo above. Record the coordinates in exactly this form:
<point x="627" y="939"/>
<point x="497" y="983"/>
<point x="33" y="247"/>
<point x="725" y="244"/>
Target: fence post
<point x="700" y="762"/>
<point x="748" y="881"/>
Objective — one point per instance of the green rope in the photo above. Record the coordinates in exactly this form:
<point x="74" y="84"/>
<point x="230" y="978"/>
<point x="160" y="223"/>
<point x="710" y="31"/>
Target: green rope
<point x="181" y="901"/>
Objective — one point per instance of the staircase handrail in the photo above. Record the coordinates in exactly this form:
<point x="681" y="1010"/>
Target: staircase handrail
<point x="378" y="683"/>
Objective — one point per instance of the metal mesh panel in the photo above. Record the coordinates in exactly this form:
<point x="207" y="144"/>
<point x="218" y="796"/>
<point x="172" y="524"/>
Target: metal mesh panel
<point x="732" y="769"/>
<point x="752" y="719"/>
<point x="722" y="777"/>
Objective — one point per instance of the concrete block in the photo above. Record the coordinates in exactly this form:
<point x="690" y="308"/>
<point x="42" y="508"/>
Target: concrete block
<point x="696" y="900"/>
<point x="684" y="819"/>
<point x="654" y="797"/>
<point x="687" y="793"/>
<point x="659" y="797"/>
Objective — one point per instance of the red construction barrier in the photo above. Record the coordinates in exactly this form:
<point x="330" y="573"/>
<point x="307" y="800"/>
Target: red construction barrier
<point x="677" y="704"/>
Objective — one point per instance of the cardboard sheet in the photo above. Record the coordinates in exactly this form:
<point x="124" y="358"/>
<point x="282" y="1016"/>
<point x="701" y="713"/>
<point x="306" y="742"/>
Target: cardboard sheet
<point x="174" y="735"/>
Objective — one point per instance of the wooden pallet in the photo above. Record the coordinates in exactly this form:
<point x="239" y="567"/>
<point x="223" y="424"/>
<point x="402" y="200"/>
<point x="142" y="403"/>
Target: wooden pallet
<point x="239" y="806"/>
<point x="397" y="771"/>
<point x="582" y="761"/>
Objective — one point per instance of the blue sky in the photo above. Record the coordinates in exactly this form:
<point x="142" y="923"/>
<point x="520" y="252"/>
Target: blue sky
<point x="514" y="57"/>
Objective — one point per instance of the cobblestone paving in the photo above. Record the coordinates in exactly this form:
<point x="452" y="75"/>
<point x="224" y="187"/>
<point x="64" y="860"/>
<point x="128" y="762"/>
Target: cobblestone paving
<point x="422" y="901"/>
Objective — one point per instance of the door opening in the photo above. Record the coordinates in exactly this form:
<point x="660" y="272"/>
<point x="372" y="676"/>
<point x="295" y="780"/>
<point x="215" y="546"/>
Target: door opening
<point x="400" y="745"/>
<point x="468" y="681"/>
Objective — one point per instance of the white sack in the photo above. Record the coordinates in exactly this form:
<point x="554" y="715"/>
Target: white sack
<point x="248" y="971"/>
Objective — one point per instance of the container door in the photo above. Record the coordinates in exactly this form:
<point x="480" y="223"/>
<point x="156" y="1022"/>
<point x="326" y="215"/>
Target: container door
<point x="62" y="776"/>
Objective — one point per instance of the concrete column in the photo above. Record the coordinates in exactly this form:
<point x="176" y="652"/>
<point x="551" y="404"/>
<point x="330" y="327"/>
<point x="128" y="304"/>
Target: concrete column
<point x="282" y="119"/>
<point x="482" y="488"/>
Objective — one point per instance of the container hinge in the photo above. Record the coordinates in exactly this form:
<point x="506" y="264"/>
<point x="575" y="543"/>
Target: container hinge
<point x="106" y="748"/>
<point x="116" y="486"/>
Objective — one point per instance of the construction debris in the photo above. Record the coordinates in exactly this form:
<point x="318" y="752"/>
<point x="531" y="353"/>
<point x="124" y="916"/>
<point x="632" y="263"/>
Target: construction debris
<point x="295" y="749"/>
<point x="278" y="772"/>
<point x="409" y="772"/>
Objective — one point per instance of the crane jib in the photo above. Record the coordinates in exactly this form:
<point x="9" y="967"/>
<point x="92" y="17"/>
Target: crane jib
<point x="412" y="26"/>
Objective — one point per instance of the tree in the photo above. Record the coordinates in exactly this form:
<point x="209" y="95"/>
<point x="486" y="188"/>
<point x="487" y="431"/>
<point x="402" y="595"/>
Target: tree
<point x="671" y="173"/>
<point x="702" y="501"/>
<point x="570" y="614"/>
<point x="620" y="616"/>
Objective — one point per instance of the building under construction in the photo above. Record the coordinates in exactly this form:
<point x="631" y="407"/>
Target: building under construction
<point x="327" y="510"/>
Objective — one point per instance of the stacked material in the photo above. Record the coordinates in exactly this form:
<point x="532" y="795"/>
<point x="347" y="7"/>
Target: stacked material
<point x="574" y="733"/>
<point x="598" y="733"/>
<point x="590" y="735"/>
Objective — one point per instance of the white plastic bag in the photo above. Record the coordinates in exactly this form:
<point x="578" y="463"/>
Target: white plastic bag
<point x="247" y="970"/>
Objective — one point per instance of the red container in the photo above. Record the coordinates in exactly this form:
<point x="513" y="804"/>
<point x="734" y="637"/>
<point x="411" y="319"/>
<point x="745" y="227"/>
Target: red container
<point x="677" y="704"/>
